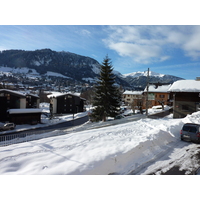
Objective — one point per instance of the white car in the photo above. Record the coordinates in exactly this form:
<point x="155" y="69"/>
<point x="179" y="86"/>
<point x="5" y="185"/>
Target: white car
<point x="7" y="126"/>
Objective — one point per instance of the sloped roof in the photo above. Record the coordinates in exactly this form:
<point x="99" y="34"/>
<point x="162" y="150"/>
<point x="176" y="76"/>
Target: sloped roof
<point x="133" y="92"/>
<point x="154" y="88"/>
<point x="59" y="94"/>
<point x="13" y="92"/>
<point x="185" y="86"/>
<point x="21" y="94"/>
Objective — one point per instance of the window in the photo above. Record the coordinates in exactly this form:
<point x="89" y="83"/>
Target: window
<point x="162" y="96"/>
<point x="191" y="129"/>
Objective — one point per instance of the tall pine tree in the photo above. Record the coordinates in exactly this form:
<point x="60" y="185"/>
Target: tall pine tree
<point x="107" y="98"/>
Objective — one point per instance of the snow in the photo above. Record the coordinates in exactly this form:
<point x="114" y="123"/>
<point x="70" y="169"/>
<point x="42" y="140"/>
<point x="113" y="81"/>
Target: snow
<point x="133" y="92"/>
<point x="22" y="70"/>
<point x="14" y="92"/>
<point x="114" y="149"/>
<point x="137" y="74"/>
<point x="49" y="73"/>
<point x="91" y="80"/>
<point x="185" y="86"/>
<point x="96" y="68"/>
<point x="27" y="110"/>
<point x="58" y="94"/>
<point x="162" y="88"/>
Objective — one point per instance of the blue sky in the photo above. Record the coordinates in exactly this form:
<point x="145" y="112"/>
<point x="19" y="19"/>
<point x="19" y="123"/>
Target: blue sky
<point x="173" y="50"/>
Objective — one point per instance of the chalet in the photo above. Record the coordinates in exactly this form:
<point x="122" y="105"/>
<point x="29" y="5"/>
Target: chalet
<point x="12" y="100"/>
<point x="66" y="103"/>
<point x="186" y="97"/>
<point x="130" y="96"/>
<point x="157" y="94"/>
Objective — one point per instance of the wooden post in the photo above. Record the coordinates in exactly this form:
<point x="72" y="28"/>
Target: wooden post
<point x="147" y="93"/>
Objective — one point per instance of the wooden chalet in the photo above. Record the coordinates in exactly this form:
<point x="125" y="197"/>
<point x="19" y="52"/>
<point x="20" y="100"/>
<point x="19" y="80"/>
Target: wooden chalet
<point x="17" y="104"/>
<point x="66" y="103"/>
<point x="186" y="97"/>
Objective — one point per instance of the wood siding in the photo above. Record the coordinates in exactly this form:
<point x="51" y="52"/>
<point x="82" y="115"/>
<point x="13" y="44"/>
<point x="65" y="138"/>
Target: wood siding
<point x="69" y="104"/>
<point x="185" y="103"/>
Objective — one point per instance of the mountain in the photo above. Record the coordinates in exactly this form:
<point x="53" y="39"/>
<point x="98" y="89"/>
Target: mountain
<point x="48" y="62"/>
<point x="71" y="66"/>
<point x="145" y="73"/>
<point x="139" y="79"/>
<point x="65" y="63"/>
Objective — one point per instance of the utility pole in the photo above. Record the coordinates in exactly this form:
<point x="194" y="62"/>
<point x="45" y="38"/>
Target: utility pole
<point x="147" y="93"/>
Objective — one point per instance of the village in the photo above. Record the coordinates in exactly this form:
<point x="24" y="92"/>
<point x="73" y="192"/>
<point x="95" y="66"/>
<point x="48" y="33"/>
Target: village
<point x="181" y="97"/>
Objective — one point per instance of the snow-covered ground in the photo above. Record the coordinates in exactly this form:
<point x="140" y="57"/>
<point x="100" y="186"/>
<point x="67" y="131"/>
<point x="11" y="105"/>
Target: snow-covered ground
<point x="118" y="149"/>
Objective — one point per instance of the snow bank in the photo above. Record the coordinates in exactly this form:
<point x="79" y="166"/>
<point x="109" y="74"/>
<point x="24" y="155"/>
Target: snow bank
<point x="116" y="149"/>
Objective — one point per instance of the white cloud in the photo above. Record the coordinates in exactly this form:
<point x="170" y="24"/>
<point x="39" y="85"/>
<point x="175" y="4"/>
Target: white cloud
<point x="85" y="32"/>
<point x="136" y="42"/>
<point x="192" y="43"/>
<point x="147" y="44"/>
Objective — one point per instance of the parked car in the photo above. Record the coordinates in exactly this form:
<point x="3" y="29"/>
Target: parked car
<point x="7" y="126"/>
<point x="119" y="117"/>
<point x="190" y="132"/>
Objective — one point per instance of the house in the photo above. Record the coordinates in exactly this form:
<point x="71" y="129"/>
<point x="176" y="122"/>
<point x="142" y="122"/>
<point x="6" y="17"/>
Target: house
<point x="66" y="103"/>
<point x="157" y="94"/>
<point x="10" y="99"/>
<point x="186" y="97"/>
<point x="130" y="96"/>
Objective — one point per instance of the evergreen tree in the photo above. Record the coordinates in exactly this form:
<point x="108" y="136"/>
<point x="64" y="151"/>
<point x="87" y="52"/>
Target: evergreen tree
<point x="107" y="98"/>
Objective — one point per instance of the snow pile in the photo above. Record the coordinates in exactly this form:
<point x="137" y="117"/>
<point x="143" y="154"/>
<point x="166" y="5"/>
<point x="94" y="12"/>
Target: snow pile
<point x="114" y="149"/>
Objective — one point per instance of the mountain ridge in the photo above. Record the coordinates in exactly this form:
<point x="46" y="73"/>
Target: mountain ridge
<point x="73" y="66"/>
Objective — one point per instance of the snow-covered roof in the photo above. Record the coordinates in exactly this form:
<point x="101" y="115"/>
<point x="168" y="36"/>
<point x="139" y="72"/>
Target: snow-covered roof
<point x="33" y="95"/>
<point x="23" y="94"/>
<point x="26" y="110"/>
<point x="12" y="91"/>
<point x="133" y="92"/>
<point x="154" y="88"/>
<point x="59" y="94"/>
<point x="185" y="86"/>
<point x="55" y="94"/>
